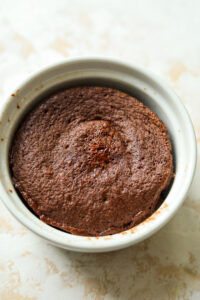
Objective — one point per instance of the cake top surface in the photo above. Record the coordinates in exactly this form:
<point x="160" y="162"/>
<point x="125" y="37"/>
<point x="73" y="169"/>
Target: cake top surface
<point x="91" y="160"/>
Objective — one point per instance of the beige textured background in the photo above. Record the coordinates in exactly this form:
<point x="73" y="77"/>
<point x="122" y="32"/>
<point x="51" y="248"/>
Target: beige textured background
<point x="164" y="37"/>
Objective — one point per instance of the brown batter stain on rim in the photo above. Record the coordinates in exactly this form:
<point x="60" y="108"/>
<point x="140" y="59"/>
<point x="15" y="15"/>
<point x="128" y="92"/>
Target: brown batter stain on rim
<point x="151" y="218"/>
<point x="40" y="87"/>
<point x="18" y="106"/>
<point x="10" y="190"/>
<point x="2" y="139"/>
<point x="124" y="232"/>
<point x="13" y="95"/>
<point x="155" y="214"/>
<point x="134" y="229"/>
<point x="107" y="238"/>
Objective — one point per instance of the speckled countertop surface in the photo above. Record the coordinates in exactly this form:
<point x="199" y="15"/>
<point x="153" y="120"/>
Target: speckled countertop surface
<point x="162" y="36"/>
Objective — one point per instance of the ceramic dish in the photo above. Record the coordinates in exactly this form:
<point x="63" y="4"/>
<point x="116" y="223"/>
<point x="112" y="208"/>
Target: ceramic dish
<point x="131" y="79"/>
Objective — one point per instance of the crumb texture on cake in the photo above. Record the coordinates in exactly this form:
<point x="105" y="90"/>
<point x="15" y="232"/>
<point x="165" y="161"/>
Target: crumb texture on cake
<point x="91" y="160"/>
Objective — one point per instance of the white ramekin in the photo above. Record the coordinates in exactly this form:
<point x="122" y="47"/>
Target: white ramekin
<point x="108" y="72"/>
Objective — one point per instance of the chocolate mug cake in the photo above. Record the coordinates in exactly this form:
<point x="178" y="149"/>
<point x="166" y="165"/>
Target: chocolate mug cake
<point x="91" y="160"/>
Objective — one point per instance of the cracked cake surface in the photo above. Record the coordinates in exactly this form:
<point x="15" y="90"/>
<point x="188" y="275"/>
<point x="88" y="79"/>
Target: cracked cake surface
<point x="91" y="160"/>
